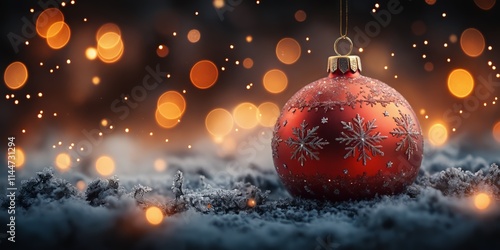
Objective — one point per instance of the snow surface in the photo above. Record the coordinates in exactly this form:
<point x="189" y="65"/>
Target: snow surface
<point x="208" y="207"/>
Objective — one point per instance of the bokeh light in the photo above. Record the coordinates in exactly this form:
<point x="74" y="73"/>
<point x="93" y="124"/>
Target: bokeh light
<point x="482" y="201"/>
<point x="170" y="110"/>
<point x="472" y="42"/>
<point x="58" y="35"/>
<point x="267" y="114"/>
<point x="204" y="74"/>
<point x="219" y="3"/>
<point x="164" y="122"/>
<point x="485" y="4"/>
<point x="194" y="36"/>
<point x="154" y="215"/>
<point x="107" y="28"/>
<point x="96" y="80"/>
<point x="288" y="50"/>
<point x="46" y="19"/>
<point x="275" y="81"/>
<point x="438" y="134"/>
<point x="430" y="2"/>
<point x="110" y="47"/>
<point x="91" y="53"/>
<point x="248" y="63"/>
<point x="219" y="122"/>
<point x="460" y="83"/>
<point x="175" y="98"/>
<point x="105" y="166"/>
<point x="81" y="185"/>
<point x="496" y="131"/>
<point x="300" y="16"/>
<point x="245" y="115"/>
<point x="162" y="50"/>
<point x="63" y="161"/>
<point x="428" y="66"/>
<point x="160" y="165"/>
<point x="15" y="75"/>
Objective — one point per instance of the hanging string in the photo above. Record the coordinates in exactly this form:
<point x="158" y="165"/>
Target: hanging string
<point x="342" y="32"/>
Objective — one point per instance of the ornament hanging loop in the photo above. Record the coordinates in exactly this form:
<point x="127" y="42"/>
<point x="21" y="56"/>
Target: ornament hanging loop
<point x="336" y="44"/>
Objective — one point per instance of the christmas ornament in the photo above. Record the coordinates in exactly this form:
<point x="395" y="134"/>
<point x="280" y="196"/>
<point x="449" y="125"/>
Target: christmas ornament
<point x="347" y="136"/>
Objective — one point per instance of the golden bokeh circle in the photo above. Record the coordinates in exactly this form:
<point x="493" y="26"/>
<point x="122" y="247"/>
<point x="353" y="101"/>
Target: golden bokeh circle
<point x="219" y="122"/>
<point x="275" y="81"/>
<point x="204" y="74"/>
<point x="15" y="75"/>
<point x="460" y="83"/>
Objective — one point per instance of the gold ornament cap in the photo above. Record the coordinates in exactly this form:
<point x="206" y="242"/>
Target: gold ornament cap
<point x="343" y="63"/>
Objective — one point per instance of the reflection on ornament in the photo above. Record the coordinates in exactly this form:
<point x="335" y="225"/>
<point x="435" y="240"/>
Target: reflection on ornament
<point x="347" y="136"/>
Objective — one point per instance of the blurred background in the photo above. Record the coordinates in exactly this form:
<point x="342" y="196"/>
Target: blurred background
<point x="126" y="87"/>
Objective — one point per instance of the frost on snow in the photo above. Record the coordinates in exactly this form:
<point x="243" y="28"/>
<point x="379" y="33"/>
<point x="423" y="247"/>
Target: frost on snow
<point x="409" y="136"/>
<point x="358" y="137"/>
<point x="44" y="188"/>
<point x="208" y="199"/>
<point x="306" y="143"/>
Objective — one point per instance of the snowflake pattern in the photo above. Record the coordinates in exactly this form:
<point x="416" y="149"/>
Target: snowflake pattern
<point x="306" y="143"/>
<point x="358" y="137"/>
<point x="406" y="131"/>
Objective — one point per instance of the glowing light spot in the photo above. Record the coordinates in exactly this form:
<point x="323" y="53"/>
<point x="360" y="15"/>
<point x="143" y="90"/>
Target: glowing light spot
<point x="219" y="3"/>
<point x="245" y="115"/>
<point x="422" y="111"/>
<point x="485" y="4"/>
<point x="175" y="98"/>
<point x="81" y="185"/>
<point x="58" y="35"/>
<point x="15" y="75"/>
<point x="105" y="166"/>
<point x="249" y="39"/>
<point x="472" y="42"/>
<point x="160" y="165"/>
<point x="63" y="161"/>
<point x="430" y="2"/>
<point x="45" y="21"/>
<point x="204" y="74"/>
<point x="300" y="16"/>
<point x="460" y="83"/>
<point x="162" y="50"/>
<point x="96" y="80"/>
<point x="496" y="131"/>
<point x="288" y="50"/>
<point x="360" y="50"/>
<point x="248" y="63"/>
<point x="154" y="215"/>
<point x="275" y="81"/>
<point x="91" y="53"/>
<point x="267" y="114"/>
<point x="194" y="36"/>
<point x="438" y="134"/>
<point x="482" y="201"/>
<point x="251" y="202"/>
<point x="219" y="122"/>
<point x="170" y="110"/>
<point x="453" y="38"/>
<point x="443" y="15"/>
<point x="110" y="47"/>
<point x="428" y="66"/>
<point x="127" y="130"/>
<point x="164" y="122"/>
<point x="107" y="28"/>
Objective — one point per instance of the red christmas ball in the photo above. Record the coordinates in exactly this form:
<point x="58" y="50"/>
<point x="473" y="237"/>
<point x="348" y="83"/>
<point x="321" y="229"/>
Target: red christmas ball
<point x="347" y="136"/>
